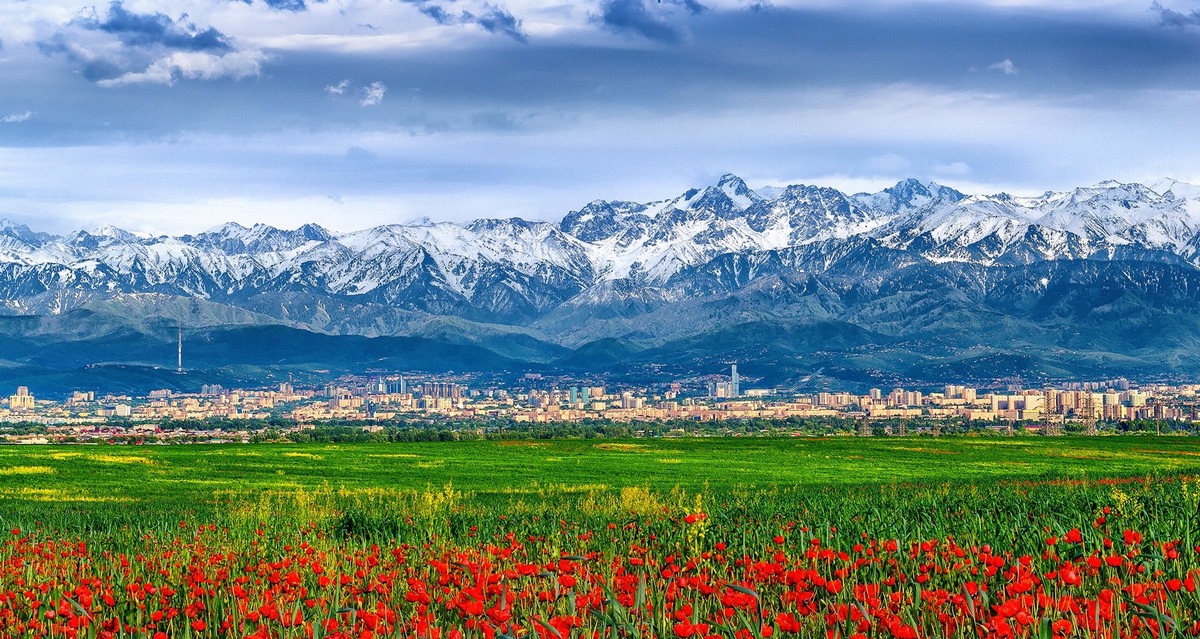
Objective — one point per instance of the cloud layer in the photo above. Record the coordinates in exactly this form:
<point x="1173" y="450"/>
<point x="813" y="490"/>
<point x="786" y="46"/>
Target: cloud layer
<point x="386" y="109"/>
<point x="127" y="47"/>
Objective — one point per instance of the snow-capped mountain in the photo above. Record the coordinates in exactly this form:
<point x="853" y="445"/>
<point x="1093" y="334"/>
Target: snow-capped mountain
<point x="718" y="237"/>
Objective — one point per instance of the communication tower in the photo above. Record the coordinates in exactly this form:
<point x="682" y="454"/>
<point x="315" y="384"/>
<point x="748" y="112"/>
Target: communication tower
<point x="1089" y="413"/>
<point x="179" y="352"/>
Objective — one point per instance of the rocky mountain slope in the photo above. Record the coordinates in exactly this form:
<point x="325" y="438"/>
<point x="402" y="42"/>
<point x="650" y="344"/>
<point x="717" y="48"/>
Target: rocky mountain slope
<point x="907" y="282"/>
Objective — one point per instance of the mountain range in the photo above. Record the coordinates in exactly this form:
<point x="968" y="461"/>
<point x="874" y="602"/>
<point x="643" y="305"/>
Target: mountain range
<point x="803" y="286"/>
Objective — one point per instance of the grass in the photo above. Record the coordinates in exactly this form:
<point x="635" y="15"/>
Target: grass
<point x="200" y="478"/>
<point x="657" y="521"/>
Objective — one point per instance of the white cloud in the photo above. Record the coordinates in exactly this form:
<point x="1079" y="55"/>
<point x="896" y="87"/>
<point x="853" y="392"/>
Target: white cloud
<point x="13" y="118"/>
<point x="337" y="89"/>
<point x="373" y="94"/>
<point x="193" y="65"/>
<point x="1004" y="66"/>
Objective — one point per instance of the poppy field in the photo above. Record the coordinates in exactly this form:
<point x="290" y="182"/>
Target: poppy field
<point x="957" y="538"/>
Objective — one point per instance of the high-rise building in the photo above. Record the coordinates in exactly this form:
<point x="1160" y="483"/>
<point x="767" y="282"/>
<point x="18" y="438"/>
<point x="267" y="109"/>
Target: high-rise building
<point x="734" y="382"/>
<point x="81" y="397"/>
<point x="441" y="389"/>
<point x="22" y="400"/>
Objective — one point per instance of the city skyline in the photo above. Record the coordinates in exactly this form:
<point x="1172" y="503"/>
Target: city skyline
<point x="169" y="116"/>
<point x="375" y="402"/>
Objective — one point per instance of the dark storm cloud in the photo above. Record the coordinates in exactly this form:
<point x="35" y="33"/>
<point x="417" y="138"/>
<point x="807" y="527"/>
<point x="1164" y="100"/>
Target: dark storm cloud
<point x="1172" y="18"/>
<point x="493" y="19"/>
<point x="289" y="5"/>
<point x="145" y="29"/>
<point x="648" y="20"/>
<point x="632" y="17"/>
<point x="438" y="14"/>
<point x="848" y="90"/>
<point x="729" y="60"/>
<point x="127" y="47"/>
<point x="498" y="20"/>
<point x="93" y="67"/>
<point x="737" y="57"/>
<point x="294" y="6"/>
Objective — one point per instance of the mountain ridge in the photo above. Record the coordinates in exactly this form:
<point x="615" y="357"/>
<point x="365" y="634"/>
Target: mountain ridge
<point x="919" y="268"/>
<point x="507" y="261"/>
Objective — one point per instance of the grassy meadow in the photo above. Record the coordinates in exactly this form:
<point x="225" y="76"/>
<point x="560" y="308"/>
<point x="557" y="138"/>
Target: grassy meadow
<point x="559" y="539"/>
<point x="168" y="482"/>
<point x="195" y="476"/>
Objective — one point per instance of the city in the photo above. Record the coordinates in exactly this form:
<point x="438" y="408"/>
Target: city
<point x="378" y="401"/>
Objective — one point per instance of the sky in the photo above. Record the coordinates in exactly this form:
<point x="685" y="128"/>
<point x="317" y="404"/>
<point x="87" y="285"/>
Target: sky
<point x="174" y="116"/>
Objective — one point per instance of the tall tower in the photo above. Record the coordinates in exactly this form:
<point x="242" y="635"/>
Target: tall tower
<point x="1053" y="424"/>
<point x="179" y="359"/>
<point x="1089" y="413"/>
<point x="734" y="382"/>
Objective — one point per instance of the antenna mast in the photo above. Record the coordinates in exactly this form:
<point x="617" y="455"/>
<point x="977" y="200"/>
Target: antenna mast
<point x="179" y="360"/>
<point x="1089" y="413"/>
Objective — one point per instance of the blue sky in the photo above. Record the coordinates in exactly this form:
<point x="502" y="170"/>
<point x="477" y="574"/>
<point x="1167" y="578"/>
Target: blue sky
<point x="172" y="116"/>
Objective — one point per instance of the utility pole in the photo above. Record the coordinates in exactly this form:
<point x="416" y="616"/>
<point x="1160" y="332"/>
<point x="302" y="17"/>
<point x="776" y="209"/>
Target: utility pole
<point x="1089" y="414"/>
<point x="864" y="427"/>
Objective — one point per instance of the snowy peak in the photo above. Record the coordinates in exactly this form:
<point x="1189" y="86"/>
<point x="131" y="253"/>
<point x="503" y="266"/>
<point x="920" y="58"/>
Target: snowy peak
<point x="510" y="226"/>
<point x="737" y="191"/>
<point x="1173" y="189"/>
<point x="908" y="195"/>
<point x="101" y="237"/>
<point x="514" y="269"/>
<point x="234" y="238"/>
<point x="801" y="214"/>
<point x="600" y="220"/>
<point x="313" y="232"/>
<point x="23" y="233"/>
<point x="728" y="197"/>
<point x="117" y="234"/>
<point x="1110" y="192"/>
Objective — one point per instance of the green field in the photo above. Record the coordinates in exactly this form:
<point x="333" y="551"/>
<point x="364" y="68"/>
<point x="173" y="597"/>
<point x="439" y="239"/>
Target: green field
<point x="606" y="538"/>
<point x="201" y="478"/>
